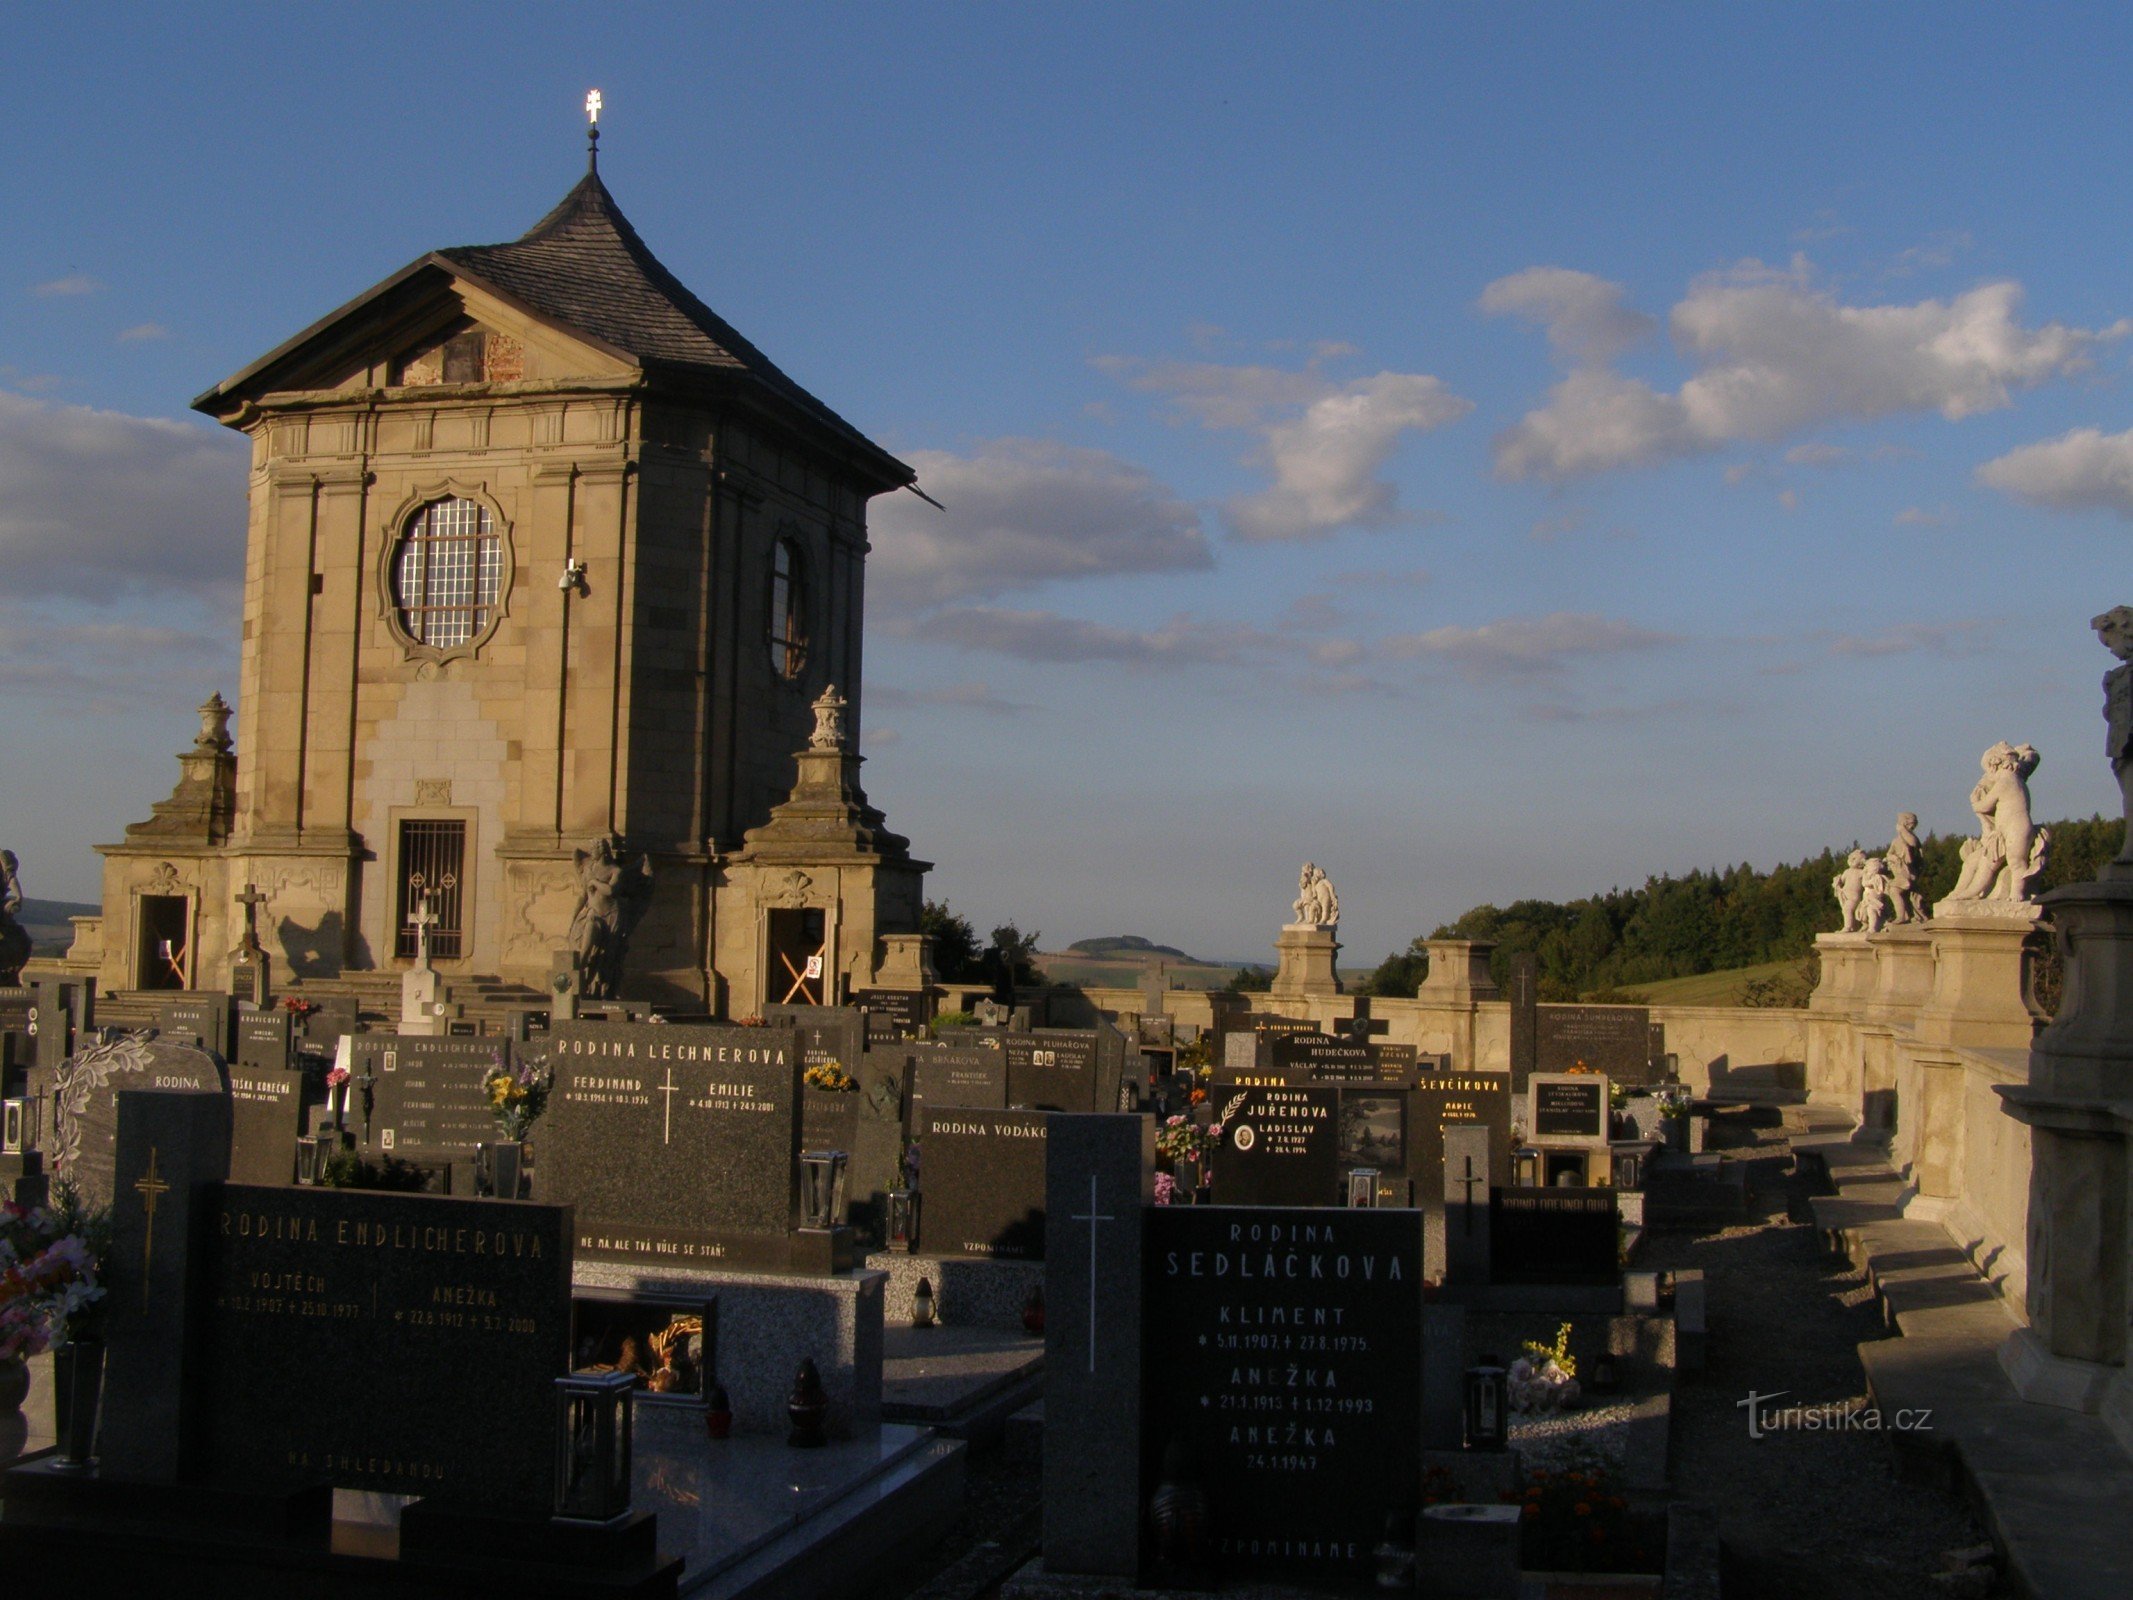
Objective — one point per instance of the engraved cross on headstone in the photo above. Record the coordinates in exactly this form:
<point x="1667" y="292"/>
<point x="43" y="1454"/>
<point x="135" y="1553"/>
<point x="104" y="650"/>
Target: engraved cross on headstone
<point x="1092" y="1217"/>
<point x="667" y="1089"/>
<point x="150" y="1188"/>
<point x="1468" y="1183"/>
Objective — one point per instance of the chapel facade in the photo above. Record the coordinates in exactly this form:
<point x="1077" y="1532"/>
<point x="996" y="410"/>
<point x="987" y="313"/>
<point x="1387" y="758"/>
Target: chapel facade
<point x="541" y="552"/>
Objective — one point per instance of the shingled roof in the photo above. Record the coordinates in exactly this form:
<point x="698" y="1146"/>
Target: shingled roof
<point x="584" y="268"/>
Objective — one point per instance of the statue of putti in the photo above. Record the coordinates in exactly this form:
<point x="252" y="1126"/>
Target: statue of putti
<point x="1316" y="905"/>
<point x="1906" y="864"/>
<point x="2115" y="629"/>
<point x="1850" y="887"/>
<point x="2009" y="851"/>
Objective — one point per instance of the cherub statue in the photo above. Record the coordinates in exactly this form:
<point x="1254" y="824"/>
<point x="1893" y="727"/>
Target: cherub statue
<point x="1874" y="896"/>
<point x="1850" y="885"/>
<point x="2115" y="629"/>
<point x="1905" y="861"/>
<point x="15" y="942"/>
<point x="1316" y="905"/>
<point x="2010" y="849"/>
<point x="611" y="901"/>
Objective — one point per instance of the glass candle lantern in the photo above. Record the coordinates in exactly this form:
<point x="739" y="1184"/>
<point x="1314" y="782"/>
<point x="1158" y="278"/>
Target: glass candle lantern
<point x="822" y="1188"/>
<point x="593" y="1447"/>
<point x="312" y="1155"/>
<point x="18" y="1126"/>
<point x="1362" y="1186"/>
<point x="1488" y="1406"/>
<point x="903" y="1221"/>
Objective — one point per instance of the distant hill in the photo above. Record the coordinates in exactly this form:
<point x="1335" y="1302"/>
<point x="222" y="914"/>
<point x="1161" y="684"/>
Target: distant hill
<point x="1127" y="945"/>
<point x="46" y="923"/>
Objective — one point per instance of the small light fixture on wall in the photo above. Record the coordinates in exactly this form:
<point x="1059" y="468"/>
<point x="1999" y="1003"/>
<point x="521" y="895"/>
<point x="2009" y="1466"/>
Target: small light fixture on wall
<point x="573" y="579"/>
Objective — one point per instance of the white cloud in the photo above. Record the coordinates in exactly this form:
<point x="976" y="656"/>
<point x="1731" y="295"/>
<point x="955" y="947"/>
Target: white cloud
<point x="95" y="502"/>
<point x="143" y="333"/>
<point x="1964" y="636"/>
<point x="1324" y="443"/>
<point x="74" y="283"/>
<point x="953" y="696"/>
<point x="1587" y="318"/>
<point x="1047" y="636"/>
<point x="1526" y="647"/>
<point x="1777" y="355"/>
<point x="2079" y="471"/>
<point x="1920" y="517"/>
<point x="1817" y="454"/>
<point x="115" y="664"/>
<point x="1022" y="512"/>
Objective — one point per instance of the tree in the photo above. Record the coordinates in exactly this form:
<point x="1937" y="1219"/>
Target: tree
<point x="955" y="943"/>
<point x="1009" y="962"/>
<point x="1399" y="975"/>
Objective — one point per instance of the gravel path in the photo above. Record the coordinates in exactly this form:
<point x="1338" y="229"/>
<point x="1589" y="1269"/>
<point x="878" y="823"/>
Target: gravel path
<point x="1816" y="1515"/>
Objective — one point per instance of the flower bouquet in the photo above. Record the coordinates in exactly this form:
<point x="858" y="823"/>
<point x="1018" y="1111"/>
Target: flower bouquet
<point x="518" y="1097"/>
<point x="830" y="1075"/>
<point x="51" y="1273"/>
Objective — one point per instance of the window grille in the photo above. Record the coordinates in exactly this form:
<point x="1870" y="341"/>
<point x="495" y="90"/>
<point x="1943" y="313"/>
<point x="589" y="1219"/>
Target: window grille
<point x="433" y="866"/>
<point x="446" y="574"/>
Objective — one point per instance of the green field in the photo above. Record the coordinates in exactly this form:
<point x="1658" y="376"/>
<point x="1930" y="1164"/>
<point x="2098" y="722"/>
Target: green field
<point x="1710" y="988"/>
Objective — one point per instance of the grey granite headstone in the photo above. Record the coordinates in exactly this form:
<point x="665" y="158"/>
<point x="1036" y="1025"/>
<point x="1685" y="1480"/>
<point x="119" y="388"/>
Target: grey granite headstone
<point x="86" y="1088"/>
<point x="1098" y="1184"/>
<point x="955" y="1075"/>
<point x="196" y="1016"/>
<point x="1469" y="1154"/>
<point x="982" y="1174"/>
<point x="266" y="1118"/>
<point x="674" y="1144"/>
<point x="425" y="1094"/>
<point x="827" y="1033"/>
<point x="1612" y="1040"/>
<point x="172" y="1146"/>
<point x="1054" y="1069"/>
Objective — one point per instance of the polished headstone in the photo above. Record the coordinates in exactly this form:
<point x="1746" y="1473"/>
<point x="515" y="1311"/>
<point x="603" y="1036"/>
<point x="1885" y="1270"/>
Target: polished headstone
<point x="426" y="1102"/>
<point x="197" y="1016"/>
<point x="829" y="1035"/>
<point x="266" y="1039"/>
<point x="1525" y="1019"/>
<point x="1280" y="1146"/>
<point x="172" y="1148"/>
<point x="956" y="1075"/>
<point x="400" y="1344"/>
<point x="1097" y="1186"/>
<point x="1614" y="1040"/>
<point x="267" y="1110"/>
<point x="1555" y="1236"/>
<point x="1282" y="1348"/>
<point x="893" y="1014"/>
<point x="1471" y="1166"/>
<point x="983" y="1177"/>
<point x="86" y="1088"/>
<point x="1374" y="1133"/>
<point x="1443" y="1100"/>
<point x="674" y="1144"/>
<point x="1053" y="1069"/>
<point x="1567" y="1107"/>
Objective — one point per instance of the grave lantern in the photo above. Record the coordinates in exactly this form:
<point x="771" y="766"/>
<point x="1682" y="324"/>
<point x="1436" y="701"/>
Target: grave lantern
<point x="312" y="1155"/>
<point x="1362" y="1186"/>
<point x="593" y="1447"/>
<point x="1488" y="1406"/>
<point x="1525" y="1167"/>
<point x="822" y="1188"/>
<point x="903" y="1220"/>
<point x="18" y="1125"/>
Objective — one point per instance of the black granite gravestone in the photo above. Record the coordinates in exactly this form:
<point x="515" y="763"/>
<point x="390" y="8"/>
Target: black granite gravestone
<point x="1554" y="1236"/>
<point x="1282" y="1350"/>
<point x="1280" y="1146"/>
<point x="266" y="1039"/>
<point x="172" y="1149"/>
<point x="1569" y="1108"/>
<point x="426" y="1099"/>
<point x="1324" y="1058"/>
<point x="1470" y="1171"/>
<point x="829" y="1120"/>
<point x="828" y="1034"/>
<point x="1445" y="1099"/>
<point x="675" y="1144"/>
<point x="403" y="1344"/>
<point x="1374" y="1134"/>
<point x="1053" y="1069"/>
<point x="1615" y="1040"/>
<point x="197" y="1016"/>
<point x="956" y="1075"/>
<point x="982" y="1176"/>
<point x="267" y="1108"/>
<point x="86" y="1089"/>
<point x="893" y="1014"/>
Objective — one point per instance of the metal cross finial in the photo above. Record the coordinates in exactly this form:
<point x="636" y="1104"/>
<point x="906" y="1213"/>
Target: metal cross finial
<point x="593" y="103"/>
<point x="592" y="107"/>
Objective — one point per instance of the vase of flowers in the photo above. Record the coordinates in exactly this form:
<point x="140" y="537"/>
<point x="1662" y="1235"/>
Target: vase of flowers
<point x="517" y="1097"/>
<point x="52" y="1261"/>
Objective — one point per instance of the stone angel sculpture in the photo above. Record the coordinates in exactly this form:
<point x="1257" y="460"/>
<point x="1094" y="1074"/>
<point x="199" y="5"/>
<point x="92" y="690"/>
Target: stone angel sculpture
<point x="612" y="898"/>
<point x="1906" y="865"/>
<point x="2010" y="849"/>
<point x="1850" y="888"/>
<point x="1316" y="905"/>
<point x="1874" y="897"/>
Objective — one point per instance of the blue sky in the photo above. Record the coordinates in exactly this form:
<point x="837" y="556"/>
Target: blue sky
<point x="1490" y="451"/>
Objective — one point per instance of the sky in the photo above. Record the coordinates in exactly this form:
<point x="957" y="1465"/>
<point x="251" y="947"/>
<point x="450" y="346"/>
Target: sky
<point x="1490" y="452"/>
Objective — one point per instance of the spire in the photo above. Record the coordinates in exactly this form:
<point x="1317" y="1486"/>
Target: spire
<point x="593" y="103"/>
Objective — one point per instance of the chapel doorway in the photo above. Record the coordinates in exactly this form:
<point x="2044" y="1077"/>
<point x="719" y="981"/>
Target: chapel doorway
<point x="433" y="870"/>
<point x="163" y="957"/>
<point x="797" y="958"/>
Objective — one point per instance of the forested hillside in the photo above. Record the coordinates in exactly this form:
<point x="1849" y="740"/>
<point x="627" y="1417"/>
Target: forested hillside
<point x="1706" y="921"/>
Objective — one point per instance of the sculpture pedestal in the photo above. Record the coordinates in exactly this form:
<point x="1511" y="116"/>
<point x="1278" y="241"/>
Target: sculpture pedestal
<point x="1307" y="958"/>
<point x="422" y="1002"/>
<point x="1980" y="995"/>
<point x="2078" y="1106"/>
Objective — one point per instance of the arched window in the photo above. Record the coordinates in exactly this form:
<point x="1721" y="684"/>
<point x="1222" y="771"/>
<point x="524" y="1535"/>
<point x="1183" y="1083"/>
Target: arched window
<point x="446" y="573"/>
<point x="788" y="609"/>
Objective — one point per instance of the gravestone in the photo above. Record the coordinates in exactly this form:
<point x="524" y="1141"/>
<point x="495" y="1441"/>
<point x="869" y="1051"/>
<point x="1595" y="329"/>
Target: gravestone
<point x="893" y="1014"/>
<point x="953" y="1075"/>
<point x="1525" y="1018"/>
<point x="828" y="1034"/>
<point x="86" y="1089"/>
<point x="878" y="1145"/>
<point x="267" y="1110"/>
<point x="1280" y="1146"/>
<point x="172" y="1148"/>
<point x="1567" y="1107"/>
<point x="1443" y="1100"/>
<point x="982" y="1174"/>
<point x="829" y="1120"/>
<point x="196" y="1016"/>
<point x="1323" y="1058"/>
<point x="330" y="1017"/>
<point x="1374" y="1133"/>
<point x="1554" y="1236"/>
<point x="1283" y="1350"/>
<point x="266" y="1039"/>
<point x="1097" y="1186"/>
<point x="1472" y="1164"/>
<point x="1613" y="1040"/>
<point x="674" y="1144"/>
<point x="60" y="1015"/>
<point x="426" y="1103"/>
<point x="1053" y="1069"/>
<point x="400" y="1344"/>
